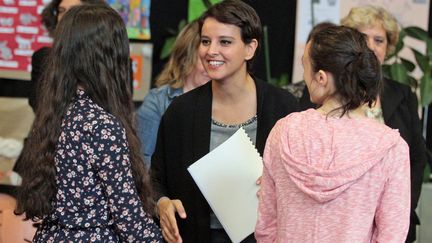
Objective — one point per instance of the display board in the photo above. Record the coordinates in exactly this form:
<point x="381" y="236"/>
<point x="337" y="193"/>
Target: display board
<point x="135" y="14"/>
<point x="20" y="35"/>
<point x="141" y="55"/>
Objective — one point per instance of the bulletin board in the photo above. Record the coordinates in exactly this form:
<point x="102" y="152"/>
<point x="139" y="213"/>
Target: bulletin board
<point x="20" y="35"/>
<point x="135" y="14"/>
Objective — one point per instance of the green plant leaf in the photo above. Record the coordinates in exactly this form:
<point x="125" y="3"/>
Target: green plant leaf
<point x="167" y="47"/>
<point x="283" y="80"/>
<point x="385" y="68"/>
<point x="181" y="25"/>
<point x="416" y="32"/>
<point x="412" y="82"/>
<point x="169" y="42"/>
<point x="400" y="43"/>
<point x="427" y="172"/>
<point x="408" y="64"/>
<point x="273" y="81"/>
<point x="429" y="50"/>
<point x="426" y="89"/>
<point x="421" y="59"/>
<point x="399" y="72"/>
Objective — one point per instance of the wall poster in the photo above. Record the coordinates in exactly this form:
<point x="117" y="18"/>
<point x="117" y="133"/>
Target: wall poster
<point x="136" y="14"/>
<point x="21" y="33"/>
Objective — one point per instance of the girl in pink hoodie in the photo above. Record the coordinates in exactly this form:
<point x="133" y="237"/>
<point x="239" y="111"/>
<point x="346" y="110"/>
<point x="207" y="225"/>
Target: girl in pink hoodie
<point x="332" y="174"/>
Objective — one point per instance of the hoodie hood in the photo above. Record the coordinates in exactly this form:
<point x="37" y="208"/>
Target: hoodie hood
<point x="324" y="156"/>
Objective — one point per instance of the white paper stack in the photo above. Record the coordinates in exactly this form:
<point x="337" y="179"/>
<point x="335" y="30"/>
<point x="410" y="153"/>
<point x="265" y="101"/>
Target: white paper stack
<point x="227" y="178"/>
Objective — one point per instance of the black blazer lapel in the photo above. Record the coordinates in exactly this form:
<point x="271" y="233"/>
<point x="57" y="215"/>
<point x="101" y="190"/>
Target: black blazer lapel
<point x="261" y="136"/>
<point x="201" y="120"/>
<point x="390" y="99"/>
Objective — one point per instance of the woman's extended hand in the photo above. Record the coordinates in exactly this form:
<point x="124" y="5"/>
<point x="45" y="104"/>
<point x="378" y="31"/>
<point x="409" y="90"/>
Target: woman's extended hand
<point x="167" y="209"/>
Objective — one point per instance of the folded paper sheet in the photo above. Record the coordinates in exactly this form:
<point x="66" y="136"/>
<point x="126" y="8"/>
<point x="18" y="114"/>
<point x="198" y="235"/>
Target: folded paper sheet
<point x="227" y="178"/>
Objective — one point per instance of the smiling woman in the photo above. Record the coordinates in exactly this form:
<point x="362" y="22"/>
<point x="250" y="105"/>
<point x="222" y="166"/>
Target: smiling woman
<point x="200" y="120"/>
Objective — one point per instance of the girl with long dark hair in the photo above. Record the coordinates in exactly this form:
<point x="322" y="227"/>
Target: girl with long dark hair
<point x="84" y="174"/>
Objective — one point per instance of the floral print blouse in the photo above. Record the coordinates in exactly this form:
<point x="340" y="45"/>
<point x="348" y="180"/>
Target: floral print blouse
<point x="96" y="198"/>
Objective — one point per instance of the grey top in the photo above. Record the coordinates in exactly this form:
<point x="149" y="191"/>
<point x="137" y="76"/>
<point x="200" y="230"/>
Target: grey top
<point x="220" y="133"/>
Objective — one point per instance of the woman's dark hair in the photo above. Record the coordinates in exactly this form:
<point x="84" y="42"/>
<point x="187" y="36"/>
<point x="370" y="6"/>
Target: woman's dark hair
<point x="318" y="27"/>
<point x="344" y="53"/>
<point x="240" y="14"/>
<point x="50" y="13"/>
<point x="90" y="49"/>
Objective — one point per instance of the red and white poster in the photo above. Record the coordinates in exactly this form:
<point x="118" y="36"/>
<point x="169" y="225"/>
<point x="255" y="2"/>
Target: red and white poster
<point x="21" y="33"/>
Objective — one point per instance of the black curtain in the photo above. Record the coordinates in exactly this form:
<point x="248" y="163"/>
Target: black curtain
<point x="165" y="15"/>
<point x="279" y="16"/>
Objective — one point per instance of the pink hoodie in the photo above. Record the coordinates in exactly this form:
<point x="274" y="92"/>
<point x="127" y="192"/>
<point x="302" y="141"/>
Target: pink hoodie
<point x="334" y="180"/>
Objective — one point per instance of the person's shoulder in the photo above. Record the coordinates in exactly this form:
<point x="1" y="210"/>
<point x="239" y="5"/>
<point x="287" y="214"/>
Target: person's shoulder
<point x="156" y="93"/>
<point x="94" y="117"/>
<point x="184" y="105"/>
<point x="43" y="50"/>
<point x="300" y="117"/>
<point x="296" y="121"/>
<point x="296" y="89"/>
<point x="397" y="94"/>
<point x="274" y="91"/>
<point x="192" y="95"/>
<point x="164" y="90"/>
<point x="395" y="86"/>
<point x="277" y="99"/>
<point x="41" y="53"/>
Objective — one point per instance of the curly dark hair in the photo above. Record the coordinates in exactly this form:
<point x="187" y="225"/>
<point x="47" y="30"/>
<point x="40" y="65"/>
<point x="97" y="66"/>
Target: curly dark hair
<point x="90" y="50"/>
<point x="344" y="53"/>
<point x="50" y="13"/>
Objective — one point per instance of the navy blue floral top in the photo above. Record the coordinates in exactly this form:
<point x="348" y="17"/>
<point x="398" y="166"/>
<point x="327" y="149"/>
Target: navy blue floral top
<point x="96" y="199"/>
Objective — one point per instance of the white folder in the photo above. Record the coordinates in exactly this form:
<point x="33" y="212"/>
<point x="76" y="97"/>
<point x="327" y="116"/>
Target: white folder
<point x="227" y="178"/>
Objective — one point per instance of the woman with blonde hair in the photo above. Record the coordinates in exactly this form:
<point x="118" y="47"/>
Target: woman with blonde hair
<point x="396" y="105"/>
<point x="183" y="72"/>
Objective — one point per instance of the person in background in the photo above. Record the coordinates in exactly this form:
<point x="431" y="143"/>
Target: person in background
<point x="396" y="105"/>
<point x="85" y="179"/>
<point x="197" y="122"/>
<point x="51" y="15"/>
<point x="183" y="72"/>
<point x="333" y="174"/>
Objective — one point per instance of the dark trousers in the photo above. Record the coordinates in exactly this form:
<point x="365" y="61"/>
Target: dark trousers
<point x="220" y="236"/>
